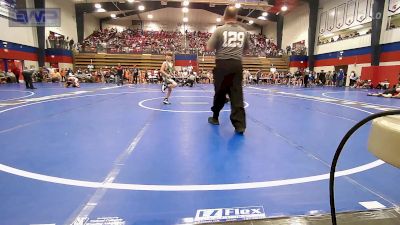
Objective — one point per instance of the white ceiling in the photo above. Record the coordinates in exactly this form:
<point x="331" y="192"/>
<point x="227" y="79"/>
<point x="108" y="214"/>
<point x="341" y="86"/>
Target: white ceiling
<point x="259" y="3"/>
<point x="175" y="15"/>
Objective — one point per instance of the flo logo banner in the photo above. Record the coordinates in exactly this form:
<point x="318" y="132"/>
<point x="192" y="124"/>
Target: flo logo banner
<point x="229" y="214"/>
<point x="36" y="18"/>
<point x="99" y="221"/>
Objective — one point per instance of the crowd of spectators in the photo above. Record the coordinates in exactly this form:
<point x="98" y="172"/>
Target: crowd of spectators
<point x="393" y="26"/>
<point x="60" y="41"/>
<point x="341" y="37"/>
<point x="300" y="50"/>
<point x="159" y="42"/>
<point x="302" y="78"/>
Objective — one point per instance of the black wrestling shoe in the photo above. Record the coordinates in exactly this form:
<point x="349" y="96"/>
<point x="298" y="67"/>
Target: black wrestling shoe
<point x="227" y="100"/>
<point x="240" y="131"/>
<point x="213" y="121"/>
<point x="166" y="102"/>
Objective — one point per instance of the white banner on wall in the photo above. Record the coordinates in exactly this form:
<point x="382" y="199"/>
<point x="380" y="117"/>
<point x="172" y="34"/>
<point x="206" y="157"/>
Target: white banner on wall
<point x="340" y="14"/>
<point x="344" y="15"/>
<point x="351" y="12"/>
<point x="331" y="19"/>
<point x="371" y="4"/>
<point x="322" y="24"/>
<point x="362" y="10"/>
<point x="394" y="6"/>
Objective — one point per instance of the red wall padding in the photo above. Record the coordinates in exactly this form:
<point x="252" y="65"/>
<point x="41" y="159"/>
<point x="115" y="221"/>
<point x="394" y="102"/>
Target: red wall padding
<point x="11" y="54"/>
<point x="298" y="64"/>
<point x="390" y="56"/>
<point x="379" y="73"/>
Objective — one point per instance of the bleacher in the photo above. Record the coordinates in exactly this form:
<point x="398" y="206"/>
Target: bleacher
<point x="253" y="64"/>
<point x="151" y="62"/>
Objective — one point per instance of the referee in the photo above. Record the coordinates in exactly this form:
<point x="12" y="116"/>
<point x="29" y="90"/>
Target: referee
<point x="229" y="41"/>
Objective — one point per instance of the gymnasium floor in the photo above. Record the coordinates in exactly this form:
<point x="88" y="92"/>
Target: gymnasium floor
<point x="103" y="153"/>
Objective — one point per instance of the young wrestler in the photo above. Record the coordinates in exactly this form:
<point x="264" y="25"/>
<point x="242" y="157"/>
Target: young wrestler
<point x="167" y="70"/>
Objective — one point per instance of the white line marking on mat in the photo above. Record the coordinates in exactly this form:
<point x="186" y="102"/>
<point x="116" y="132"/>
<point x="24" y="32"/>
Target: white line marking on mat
<point x="11" y="99"/>
<point x="108" y="88"/>
<point x="194" y="103"/>
<point x="207" y="187"/>
<point x="98" y="195"/>
<point x="141" y="104"/>
<point x="372" y="205"/>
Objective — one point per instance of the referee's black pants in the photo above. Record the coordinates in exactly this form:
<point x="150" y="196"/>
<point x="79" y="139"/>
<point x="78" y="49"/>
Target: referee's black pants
<point x="28" y="81"/>
<point x="228" y="77"/>
<point x="120" y="79"/>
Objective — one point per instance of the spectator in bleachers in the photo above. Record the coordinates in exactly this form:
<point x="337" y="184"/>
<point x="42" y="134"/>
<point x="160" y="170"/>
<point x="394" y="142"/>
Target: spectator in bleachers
<point x="160" y="42"/>
<point x="288" y="49"/>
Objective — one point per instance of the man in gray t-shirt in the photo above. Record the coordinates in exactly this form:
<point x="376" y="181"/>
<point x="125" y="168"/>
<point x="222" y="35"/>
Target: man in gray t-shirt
<point x="229" y="41"/>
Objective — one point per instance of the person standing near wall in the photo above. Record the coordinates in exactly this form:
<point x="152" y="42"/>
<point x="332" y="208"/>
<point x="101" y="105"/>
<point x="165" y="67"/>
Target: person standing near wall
<point x="71" y="44"/>
<point x="120" y="75"/>
<point x="28" y="77"/>
<point x="16" y="72"/>
<point x="340" y="78"/>
<point x="229" y="41"/>
<point x="305" y="77"/>
<point x="322" y="78"/>
<point x="135" y="74"/>
<point x="353" y="78"/>
<point x="258" y="76"/>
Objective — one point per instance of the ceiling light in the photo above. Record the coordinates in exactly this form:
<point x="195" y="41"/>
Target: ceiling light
<point x="97" y="6"/>
<point x="238" y="5"/>
<point x="101" y="10"/>
<point x="130" y="1"/>
<point x="262" y="18"/>
<point x="113" y="15"/>
<point x="141" y="7"/>
<point x="185" y="19"/>
<point x="150" y="16"/>
<point x="185" y="3"/>
<point x="185" y="9"/>
<point x="251" y="22"/>
<point x="218" y="19"/>
<point x="264" y="14"/>
<point x="284" y="8"/>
